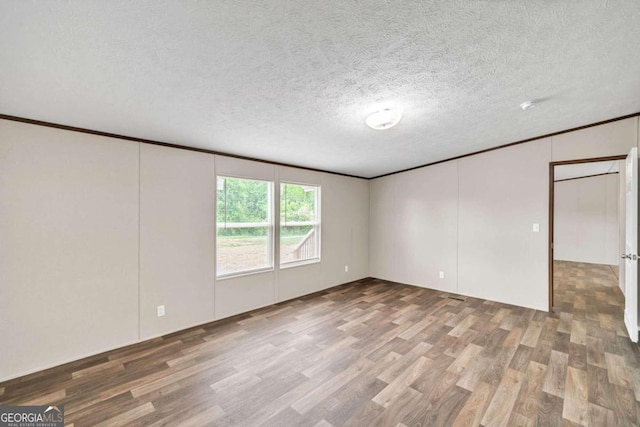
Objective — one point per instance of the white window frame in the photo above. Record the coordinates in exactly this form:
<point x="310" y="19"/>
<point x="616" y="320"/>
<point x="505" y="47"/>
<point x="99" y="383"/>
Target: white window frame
<point x="317" y="224"/>
<point x="269" y="225"/>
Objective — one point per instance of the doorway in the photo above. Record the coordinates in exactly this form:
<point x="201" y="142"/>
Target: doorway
<point x="565" y="177"/>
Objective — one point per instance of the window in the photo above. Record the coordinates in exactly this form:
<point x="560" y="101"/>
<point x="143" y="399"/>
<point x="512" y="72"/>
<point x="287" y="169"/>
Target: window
<point x="299" y="222"/>
<point x="244" y="221"/>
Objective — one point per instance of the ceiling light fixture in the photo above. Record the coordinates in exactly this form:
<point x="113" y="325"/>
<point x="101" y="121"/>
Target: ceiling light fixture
<point x="383" y="119"/>
<point x="528" y="105"/>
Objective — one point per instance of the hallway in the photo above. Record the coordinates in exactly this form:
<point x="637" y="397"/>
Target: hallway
<point x="592" y="339"/>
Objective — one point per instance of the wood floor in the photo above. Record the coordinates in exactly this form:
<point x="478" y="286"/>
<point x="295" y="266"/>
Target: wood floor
<point x="370" y="353"/>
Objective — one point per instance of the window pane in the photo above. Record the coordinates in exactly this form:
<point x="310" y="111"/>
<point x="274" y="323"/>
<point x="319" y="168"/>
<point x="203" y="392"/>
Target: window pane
<point x="299" y="223"/>
<point x="242" y="200"/>
<point x="243" y="249"/>
<point x="298" y="243"/>
<point x="244" y="226"/>
<point x="297" y="203"/>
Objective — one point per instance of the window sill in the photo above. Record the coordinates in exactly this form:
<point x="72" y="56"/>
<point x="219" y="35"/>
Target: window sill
<point x="299" y="263"/>
<point x="244" y="273"/>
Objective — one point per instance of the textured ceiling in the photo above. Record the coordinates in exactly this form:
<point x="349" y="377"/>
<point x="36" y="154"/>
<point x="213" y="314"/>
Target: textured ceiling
<point x="579" y="170"/>
<point x="292" y="81"/>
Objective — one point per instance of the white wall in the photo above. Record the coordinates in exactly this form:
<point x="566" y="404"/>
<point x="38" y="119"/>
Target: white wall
<point x="612" y="228"/>
<point x="68" y="246"/>
<point x="382" y="228"/>
<point x="471" y="219"/>
<point x="611" y="139"/>
<point x="586" y="220"/>
<point x="414" y="227"/>
<point x="565" y="226"/>
<point x="345" y="229"/>
<point x="95" y="232"/>
<point x="501" y="194"/>
<point x="177" y="199"/>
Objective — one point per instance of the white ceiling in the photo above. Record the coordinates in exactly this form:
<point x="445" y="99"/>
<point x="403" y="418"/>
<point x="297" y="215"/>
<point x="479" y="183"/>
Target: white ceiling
<point x="292" y="81"/>
<point x="579" y="170"/>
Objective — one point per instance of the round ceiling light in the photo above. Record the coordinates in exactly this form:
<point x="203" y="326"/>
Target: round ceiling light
<point x="383" y="119"/>
<point x="528" y="105"/>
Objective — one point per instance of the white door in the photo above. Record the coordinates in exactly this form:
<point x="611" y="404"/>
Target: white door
<point x="631" y="247"/>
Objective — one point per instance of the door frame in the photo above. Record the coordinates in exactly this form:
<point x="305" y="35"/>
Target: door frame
<point x="551" y="207"/>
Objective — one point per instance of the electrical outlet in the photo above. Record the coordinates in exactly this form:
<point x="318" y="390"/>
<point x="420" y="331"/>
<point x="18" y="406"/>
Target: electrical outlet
<point x="536" y="228"/>
<point x="160" y="310"/>
<point x="346" y="268"/>
<point x="442" y="274"/>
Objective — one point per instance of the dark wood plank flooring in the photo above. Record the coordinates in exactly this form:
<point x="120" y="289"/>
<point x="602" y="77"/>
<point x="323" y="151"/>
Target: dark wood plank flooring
<point x="370" y="353"/>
